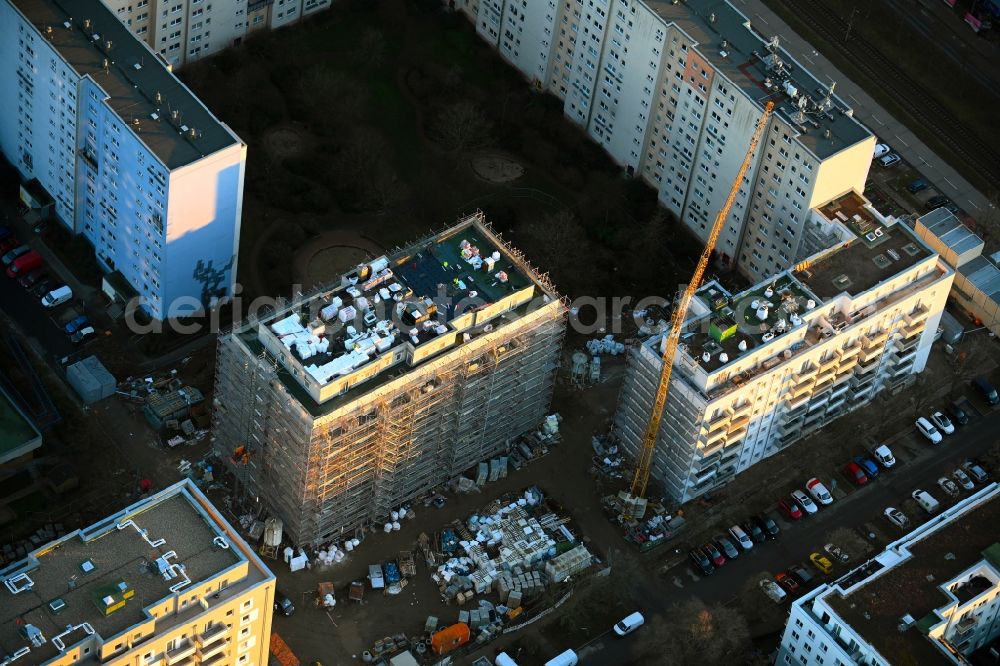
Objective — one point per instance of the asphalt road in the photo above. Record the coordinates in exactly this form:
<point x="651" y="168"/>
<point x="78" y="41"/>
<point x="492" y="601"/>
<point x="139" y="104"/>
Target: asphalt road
<point x="802" y="537"/>
<point x="34" y="320"/>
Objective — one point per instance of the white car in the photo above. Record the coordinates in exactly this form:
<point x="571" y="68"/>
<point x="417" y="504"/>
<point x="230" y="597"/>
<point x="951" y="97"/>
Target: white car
<point x="881" y="149"/>
<point x="629" y="624"/>
<point x="929" y="431"/>
<point x="741" y="537"/>
<point x="896" y="517"/>
<point x="943" y="423"/>
<point x="773" y="590"/>
<point x="807" y="504"/>
<point x="819" y="491"/>
<point x="884" y="456"/>
<point x="962" y="479"/>
<point x="948" y="486"/>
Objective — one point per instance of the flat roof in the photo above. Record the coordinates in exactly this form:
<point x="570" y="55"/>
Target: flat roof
<point x="948" y="229"/>
<point x="879" y="250"/>
<point x="132" y="90"/>
<point x="57" y="570"/>
<point x="984" y="274"/>
<point x="750" y="63"/>
<point x="913" y="587"/>
<point x="385" y="314"/>
<point x="18" y="435"/>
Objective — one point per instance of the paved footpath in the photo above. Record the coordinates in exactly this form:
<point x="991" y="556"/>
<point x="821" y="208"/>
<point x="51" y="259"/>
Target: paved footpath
<point x="887" y="128"/>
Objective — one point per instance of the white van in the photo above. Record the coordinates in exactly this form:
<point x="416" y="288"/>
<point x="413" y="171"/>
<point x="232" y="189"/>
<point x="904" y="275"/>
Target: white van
<point x="567" y="658"/>
<point x="925" y="500"/>
<point x="504" y="659"/>
<point x="57" y="296"/>
<point x="630" y="624"/>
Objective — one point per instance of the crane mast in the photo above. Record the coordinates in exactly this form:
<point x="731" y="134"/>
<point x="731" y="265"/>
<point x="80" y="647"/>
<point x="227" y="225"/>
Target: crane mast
<point x="644" y="464"/>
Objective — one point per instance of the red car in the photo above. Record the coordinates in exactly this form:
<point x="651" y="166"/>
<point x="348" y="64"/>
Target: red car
<point x="790" y="508"/>
<point x="718" y="559"/>
<point x="787" y="582"/>
<point x="856" y="474"/>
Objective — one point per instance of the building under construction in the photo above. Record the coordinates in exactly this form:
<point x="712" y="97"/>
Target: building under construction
<point x="346" y="403"/>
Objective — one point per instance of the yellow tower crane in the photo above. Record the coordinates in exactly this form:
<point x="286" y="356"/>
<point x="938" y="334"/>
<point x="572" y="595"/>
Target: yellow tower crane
<point x="644" y="463"/>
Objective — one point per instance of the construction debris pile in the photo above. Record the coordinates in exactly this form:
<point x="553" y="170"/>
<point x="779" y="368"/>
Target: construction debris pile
<point x="605" y="345"/>
<point x="652" y="525"/>
<point x="607" y="459"/>
<point x="12" y="552"/>
<point x="515" y="549"/>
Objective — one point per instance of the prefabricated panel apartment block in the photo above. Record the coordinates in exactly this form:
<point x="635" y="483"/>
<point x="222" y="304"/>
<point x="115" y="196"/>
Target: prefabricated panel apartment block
<point x="352" y="400"/>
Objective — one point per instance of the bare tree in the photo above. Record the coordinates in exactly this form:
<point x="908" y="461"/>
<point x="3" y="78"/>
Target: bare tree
<point x="383" y="190"/>
<point x="332" y="94"/>
<point x="556" y="238"/>
<point x="462" y="126"/>
<point x="698" y="633"/>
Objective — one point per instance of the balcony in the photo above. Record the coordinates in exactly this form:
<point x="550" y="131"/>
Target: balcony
<point x="797" y="402"/>
<point x="720" y="422"/>
<point x="965" y="625"/>
<point x="212" y="635"/>
<point x="216" y="648"/>
<point x="217" y="660"/>
<point x="847" y="364"/>
<point x="178" y="654"/>
<point x="800" y="389"/>
<point x="736" y="435"/>
<point x="877" y="338"/>
<point x="905" y="344"/>
<point x="789" y="427"/>
<point x="742" y="410"/>
<point x="869" y="354"/>
<point x="918" y="316"/>
<point x="714" y="438"/>
<point x="850" y="350"/>
<point x="828" y="363"/>
<point x="740" y="422"/>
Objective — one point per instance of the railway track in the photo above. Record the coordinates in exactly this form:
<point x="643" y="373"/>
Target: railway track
<point x="909" y="94"/>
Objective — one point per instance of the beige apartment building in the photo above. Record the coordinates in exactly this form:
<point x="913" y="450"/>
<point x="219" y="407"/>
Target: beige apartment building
<point x="184" y="31"/>
<point x="931" y="597"/>
<point x="164" y="582"/>
<point x="673" y="91"/>
<point x="765" y="368"/>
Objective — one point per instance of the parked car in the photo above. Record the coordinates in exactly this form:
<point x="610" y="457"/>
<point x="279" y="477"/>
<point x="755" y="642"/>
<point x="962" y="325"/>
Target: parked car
<point x="629" y="624"/>
<point x="958" y="414"/>
<point x="836" y="552"/>
<point x="741" y="537"/>
<point x="867" y="464"/>
<point x="754" y="530"/>
<point x="76" y="324"/>
<point x="884" y="456"/>
<point x="926" y="501"/>
<point x="803" y="500"/>
<point x="713" y="553"/>
<point x="962" y="479"/>
<point x="701" y="561"/>
<point x="927" y="429"/>
<point x="918" y="185"/>
<point x="890" y="160"/>
<point x="856" y="474"/>
<point x="771" y="529"/>
<point x="896" y="517"/>
<point x="41" y="288"/>
<point x="727" y="547"/>
<point x="801" y="574"/>
<point x="823" y="564"/>
<point x="881" y="150"/>
<point x="975" y="471"/>
<point x="83" y="334"/>
<point x="57" y="297"/>
<point x="819" y="491"/>
<point x="943" y="423"/>
<point x="32" y="277"/>
<point x="773" y="590"/>
<point x="283" y="604"/>
<point x="786" y="581"/>
<point x="14" y="253"/>
<point x="936" y="202"/>
<point x="986" y="389"/>
<point x="948" y="486"/>
<point x="790" y="508"/>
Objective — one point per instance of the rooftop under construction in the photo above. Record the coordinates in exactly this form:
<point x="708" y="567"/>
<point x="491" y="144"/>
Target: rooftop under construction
<point x="353" y="399"/>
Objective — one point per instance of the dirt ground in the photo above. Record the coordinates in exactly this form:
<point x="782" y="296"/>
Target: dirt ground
<point x="562" y="474"/>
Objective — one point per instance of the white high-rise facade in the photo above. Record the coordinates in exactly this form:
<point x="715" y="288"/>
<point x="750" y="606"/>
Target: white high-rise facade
<point x="673" y="93"/>
<point x="758" y="371"/>
<point x="133" y="160"/>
